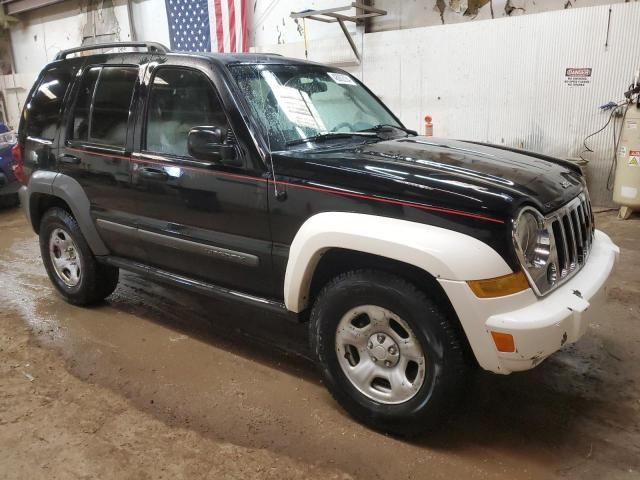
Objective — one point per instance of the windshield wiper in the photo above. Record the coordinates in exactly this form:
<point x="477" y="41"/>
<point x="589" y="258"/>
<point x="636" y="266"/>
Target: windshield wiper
<point x="381" y="126"/>
<point x="329" y="135"/>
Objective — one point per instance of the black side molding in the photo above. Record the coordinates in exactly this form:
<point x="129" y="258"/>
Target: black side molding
<point x="180" y="244"/>
<point x="198" y="286"/>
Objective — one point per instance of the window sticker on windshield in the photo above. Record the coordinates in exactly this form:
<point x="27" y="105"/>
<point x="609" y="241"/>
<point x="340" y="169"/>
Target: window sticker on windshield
<point x="296" y="105"/>
<point x="341" y="78"/>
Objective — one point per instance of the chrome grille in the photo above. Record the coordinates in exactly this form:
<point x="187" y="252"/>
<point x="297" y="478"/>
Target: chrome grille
<point x="572" y="229"/>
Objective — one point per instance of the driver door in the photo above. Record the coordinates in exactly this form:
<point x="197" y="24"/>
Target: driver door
<point x="205" y="220"/>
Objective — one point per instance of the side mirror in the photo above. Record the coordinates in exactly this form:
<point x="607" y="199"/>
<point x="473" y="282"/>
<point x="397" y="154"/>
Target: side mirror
<point x="207" y="144"/>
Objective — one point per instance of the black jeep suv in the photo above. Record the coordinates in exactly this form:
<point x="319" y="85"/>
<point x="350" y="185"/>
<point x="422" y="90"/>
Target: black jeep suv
<point x="289" y="185"/>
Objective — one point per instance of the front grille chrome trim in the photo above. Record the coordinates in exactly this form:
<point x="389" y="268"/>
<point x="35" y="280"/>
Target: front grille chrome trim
<point x="571" y="230"/>
<point x="574" y="218"/>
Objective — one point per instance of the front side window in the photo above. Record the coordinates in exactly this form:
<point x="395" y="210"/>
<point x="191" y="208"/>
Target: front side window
<point x="103" y="105"/>
<point x="293" y="102"/>
<point x="42" y="113"/>
<point x="180" y="99"/>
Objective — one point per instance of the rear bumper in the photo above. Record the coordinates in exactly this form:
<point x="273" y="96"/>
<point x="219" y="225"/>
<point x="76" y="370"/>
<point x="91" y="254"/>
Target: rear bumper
<point x="23" y="193"/>
<point x="10" y="189"/>
<point x="539" y="326"/>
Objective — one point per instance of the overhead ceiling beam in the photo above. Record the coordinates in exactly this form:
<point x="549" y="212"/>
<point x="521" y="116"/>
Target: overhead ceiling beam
<point x="14" y="7"/>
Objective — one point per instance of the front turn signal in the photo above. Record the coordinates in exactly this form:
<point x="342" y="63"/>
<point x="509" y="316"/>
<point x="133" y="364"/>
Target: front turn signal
<point x="504" y="342"/>
<point x="499" y="286"/>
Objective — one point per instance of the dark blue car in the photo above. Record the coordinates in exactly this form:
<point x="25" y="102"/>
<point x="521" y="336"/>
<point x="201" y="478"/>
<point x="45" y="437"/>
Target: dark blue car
<point x="9" y="184"/>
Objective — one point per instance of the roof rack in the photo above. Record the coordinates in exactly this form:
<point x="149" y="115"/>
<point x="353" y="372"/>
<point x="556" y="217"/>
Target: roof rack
<point x="152" y="47"/>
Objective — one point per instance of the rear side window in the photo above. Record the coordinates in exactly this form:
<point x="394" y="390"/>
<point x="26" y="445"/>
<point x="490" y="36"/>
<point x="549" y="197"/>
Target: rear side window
<point x="180" y="99"/>
<point x="83" y="105"/>
<point x="42" y="113"/>
<point x="101" y="113"/>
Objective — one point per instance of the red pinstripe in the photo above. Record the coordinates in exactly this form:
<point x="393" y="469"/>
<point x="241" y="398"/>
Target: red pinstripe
<point x="392" y="201"/>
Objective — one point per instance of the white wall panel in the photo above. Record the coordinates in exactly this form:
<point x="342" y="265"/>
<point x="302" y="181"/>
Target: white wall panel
<point x="150" y="21"/>
<point x="15" y="89"/>
<point x="42" y="33"/>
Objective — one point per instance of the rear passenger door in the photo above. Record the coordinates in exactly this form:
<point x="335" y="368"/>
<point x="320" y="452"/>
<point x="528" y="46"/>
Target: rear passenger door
<point x="97" y="148"/>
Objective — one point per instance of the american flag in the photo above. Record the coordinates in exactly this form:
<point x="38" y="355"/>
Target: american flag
<point x="208" y="25"/>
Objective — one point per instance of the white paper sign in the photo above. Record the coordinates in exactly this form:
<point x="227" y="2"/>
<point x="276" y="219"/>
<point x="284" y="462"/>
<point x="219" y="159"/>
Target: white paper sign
<point x="341" y="78"/>
<point x="296" y="104"/>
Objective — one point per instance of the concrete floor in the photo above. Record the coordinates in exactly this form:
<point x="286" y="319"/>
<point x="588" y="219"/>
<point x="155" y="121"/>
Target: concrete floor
<point x="160" y="383"/>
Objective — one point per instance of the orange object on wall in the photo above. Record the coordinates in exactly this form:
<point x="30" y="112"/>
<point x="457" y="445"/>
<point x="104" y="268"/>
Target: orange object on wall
<point x="428" y="126"/>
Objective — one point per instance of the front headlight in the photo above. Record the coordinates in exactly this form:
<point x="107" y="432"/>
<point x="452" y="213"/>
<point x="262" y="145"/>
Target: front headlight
<point x="531" y="239"/>
<point x="7" y="137"/>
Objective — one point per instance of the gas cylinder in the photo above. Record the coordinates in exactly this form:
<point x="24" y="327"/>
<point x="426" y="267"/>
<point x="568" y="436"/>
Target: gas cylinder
<point x="626" y="187"/>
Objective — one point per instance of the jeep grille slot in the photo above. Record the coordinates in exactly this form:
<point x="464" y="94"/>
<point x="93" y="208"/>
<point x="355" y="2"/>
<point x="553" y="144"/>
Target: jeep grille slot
<point x="577" y="228"/>
<point x="561" y="246"/>
<point x="569" y="235"/>
<point x="572" y="228"/>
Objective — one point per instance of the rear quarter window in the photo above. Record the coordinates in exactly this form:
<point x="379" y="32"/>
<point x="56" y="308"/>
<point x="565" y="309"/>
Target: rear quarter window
<point x="103" y="105"/>
<point x="43" y="111"/>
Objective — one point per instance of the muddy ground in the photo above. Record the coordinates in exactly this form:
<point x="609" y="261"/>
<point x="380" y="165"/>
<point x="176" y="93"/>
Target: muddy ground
<point x="160" y="383"/>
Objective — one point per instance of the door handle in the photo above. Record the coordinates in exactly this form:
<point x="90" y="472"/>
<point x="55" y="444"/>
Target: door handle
<point x="153" y="173"/>
<point x="71" y="159"/>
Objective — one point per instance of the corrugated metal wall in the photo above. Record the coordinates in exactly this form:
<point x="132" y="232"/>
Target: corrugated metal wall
<point x="503" y="80"/>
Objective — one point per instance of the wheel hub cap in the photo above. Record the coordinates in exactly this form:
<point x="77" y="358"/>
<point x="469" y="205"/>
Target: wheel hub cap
<point x="383" y="349"/>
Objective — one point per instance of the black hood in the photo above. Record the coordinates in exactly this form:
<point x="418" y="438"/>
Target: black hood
<point x="546" y="182"/>
<point x="465" y="175"/>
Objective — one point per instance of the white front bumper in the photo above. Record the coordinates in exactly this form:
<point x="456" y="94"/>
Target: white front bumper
<point x="540" y="326"/>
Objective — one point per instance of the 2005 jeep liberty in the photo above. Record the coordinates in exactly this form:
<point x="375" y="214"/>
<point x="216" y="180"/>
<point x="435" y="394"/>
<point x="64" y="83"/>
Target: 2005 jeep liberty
<point x="289" y="185"/>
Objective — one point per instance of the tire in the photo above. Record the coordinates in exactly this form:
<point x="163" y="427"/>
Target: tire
<point x="76" y="273"/>
<point x="426" y="396"/>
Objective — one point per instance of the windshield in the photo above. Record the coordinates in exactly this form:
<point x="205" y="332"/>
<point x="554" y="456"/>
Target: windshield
<point x="293" y="102"/>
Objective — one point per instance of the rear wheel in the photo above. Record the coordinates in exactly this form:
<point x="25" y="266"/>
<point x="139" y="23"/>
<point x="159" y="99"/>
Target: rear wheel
<point x="386" y="352"/>
<point x="69" y="262"/>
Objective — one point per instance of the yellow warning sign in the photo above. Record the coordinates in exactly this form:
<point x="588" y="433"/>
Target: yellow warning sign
<point x="634" y="161"/>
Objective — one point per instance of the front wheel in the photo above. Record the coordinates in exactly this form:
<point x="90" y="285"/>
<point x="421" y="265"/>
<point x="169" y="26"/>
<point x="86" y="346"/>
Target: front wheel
<point x="69" y="262"/>
<point x="387" y="354"/>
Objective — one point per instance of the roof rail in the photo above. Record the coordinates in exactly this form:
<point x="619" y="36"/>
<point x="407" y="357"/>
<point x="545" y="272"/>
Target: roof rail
<point x="152" y="47"/>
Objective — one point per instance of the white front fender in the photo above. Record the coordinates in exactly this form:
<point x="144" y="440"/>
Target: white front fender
<point x="443" y="253"/>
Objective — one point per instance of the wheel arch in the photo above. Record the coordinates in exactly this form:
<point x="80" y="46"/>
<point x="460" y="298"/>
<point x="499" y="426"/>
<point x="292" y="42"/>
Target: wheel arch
<point x="423" y="251"/>
<point x="51" y="189"/>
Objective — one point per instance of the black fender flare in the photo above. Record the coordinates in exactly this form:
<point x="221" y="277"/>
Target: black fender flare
<point x="71" y="192"/>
